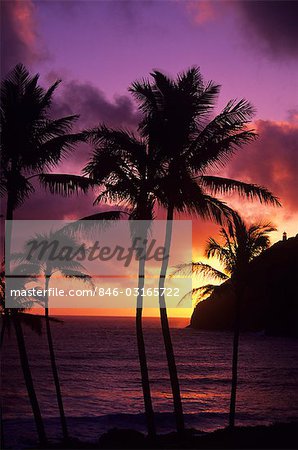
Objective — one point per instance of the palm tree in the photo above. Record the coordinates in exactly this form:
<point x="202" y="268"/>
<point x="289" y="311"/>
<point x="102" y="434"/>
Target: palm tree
<point x="120" y="163"/>
<point x="31" y="143"/>
<point x="43" y="265"/>
<point x="175" y="119"/>
<point x="240" y="245"/>
<point x="16" y="317"/>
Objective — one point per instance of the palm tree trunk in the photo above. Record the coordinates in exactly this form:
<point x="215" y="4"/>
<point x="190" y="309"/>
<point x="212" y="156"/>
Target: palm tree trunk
<point x="2" y="430"/>
<point x="8" y="232"/>
<point x="28" y="381"/>
<point x="54" y="365"/>
<point x="142" y="353"/>
<point x="3" y="326"/>
<point x="235" y="361"/>
<point x="166" y="329"/>
<point x="20" y="336"/>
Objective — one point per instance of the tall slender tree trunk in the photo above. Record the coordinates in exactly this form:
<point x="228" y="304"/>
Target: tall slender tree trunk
<point x="6" y="247"/>
<point x="3" y="325"/>
<point x="235" y="359"/>
<point x="166" y="329"/>
<point x="142" y="353"/>
<point x="28" y="380"/>
<point x="8" y="232"/>
<point x="54" y="365"/>
<point x="2" y="429"/>
<point x="20" y="336"/>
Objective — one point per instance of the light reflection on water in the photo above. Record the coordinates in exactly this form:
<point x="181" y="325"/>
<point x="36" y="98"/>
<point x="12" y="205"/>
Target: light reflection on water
<point x="99" y="372"/>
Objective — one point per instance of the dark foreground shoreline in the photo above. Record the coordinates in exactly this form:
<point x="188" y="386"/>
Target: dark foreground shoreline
<point x="276" y="436"/>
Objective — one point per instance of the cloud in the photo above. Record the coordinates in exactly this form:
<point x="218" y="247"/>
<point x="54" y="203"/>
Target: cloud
<point x="274" y="23"/>
<point x="203" y="11"/>
<point x="268" y="26"/>
<point x="93" y="107"/>
<point x="57" y="208"/>
<point x="272" y="161"/>
<point x="293" y="115"/>
<point x="19" y="37"/>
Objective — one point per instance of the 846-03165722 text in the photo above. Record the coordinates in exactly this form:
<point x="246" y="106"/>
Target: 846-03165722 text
<point x="96" y="291"/>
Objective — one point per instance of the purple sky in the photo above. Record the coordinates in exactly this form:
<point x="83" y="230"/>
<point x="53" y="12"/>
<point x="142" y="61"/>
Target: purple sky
<point x="111" y="43"/>
<point x="99" y="47"/>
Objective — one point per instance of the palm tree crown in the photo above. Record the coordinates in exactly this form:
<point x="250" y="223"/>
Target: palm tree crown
<point x="122" y="164"/>
<point x="240" y="244"/>
<point x="177" y="123"/>
<point x="31" y="141"/>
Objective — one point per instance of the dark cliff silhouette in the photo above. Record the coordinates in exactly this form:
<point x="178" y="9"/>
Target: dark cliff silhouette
<point x="270" y="301"/>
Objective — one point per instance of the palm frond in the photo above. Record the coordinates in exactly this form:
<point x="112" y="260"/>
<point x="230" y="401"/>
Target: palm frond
<point x="202" y="292"/>
<point x="210" y="208"/>
<point x="53" y="150"/>
<point x="71" y="273"/>
<point x="93" y="223"/>
<point x="47" y="98"/>
<point x="206" y="270"/>
<point x="59" y="127"/>
<point x="198" y="293"/>
<point x="215" y="151"/>
<point x="65" y="184"/>
<point x="235" y="112"/>
<point x="219" y="185"/>
<point x="199" y="268"/>
<point x="184" y="270"/>
<point x="19" y="188"/>
<point x="144" y="94"/>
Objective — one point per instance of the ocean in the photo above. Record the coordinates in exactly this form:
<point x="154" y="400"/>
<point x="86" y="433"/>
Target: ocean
<point x="100" y="379"/>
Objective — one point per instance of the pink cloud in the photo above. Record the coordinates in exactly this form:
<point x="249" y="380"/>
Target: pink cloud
<point x="21" y="42"/>
<point x="271" y="161"/>
<point x="202" y="11"/>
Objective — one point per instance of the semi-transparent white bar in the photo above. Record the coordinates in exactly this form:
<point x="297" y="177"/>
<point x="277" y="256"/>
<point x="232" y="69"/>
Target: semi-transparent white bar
<point x="96" y="264"/>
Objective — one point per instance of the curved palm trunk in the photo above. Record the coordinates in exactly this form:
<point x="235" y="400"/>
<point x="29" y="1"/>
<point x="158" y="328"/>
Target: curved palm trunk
<point x="166" y="329"/>
<point x="20" y="337"/>
<point x="54" y="365"/>
<point x="142" y="354"/>
<point x="28" y="380"/>
<point x="235" y="361"/>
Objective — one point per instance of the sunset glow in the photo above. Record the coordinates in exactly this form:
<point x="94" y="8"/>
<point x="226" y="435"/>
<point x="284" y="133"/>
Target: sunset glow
<point x="250" y="68"/>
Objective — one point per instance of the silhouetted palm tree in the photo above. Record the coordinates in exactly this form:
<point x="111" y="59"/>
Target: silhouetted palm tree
<point x="43" y="265"/>
<point x="16" y="317"/>
<point x="31" y="142"/>
<point x="121" y="163"/>
<point x="175" y="119"/>
<point x="240" y="244"/>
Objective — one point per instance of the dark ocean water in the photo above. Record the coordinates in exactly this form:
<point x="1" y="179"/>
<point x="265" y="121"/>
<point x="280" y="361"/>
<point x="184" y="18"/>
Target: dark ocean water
<point x="99" y="372"/>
